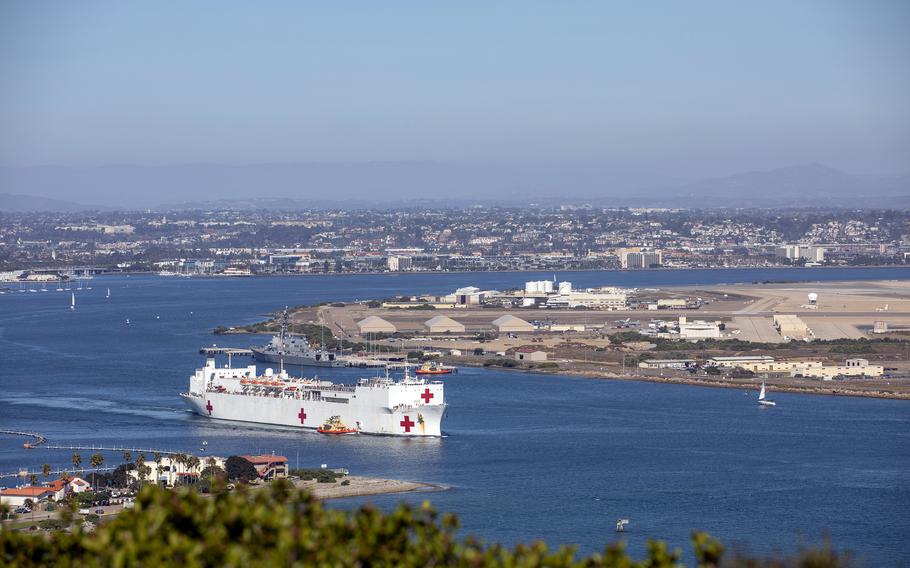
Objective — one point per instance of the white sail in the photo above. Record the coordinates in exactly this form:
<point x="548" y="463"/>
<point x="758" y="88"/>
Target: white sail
<point x="108" y="293"/>
<point x="761" y="395"/>
<point x="73" y="301"/>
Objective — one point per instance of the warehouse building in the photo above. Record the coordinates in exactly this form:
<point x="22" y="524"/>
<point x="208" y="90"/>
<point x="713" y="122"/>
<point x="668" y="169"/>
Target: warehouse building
<point x="530" y="354"/>
<point x="512" y="324"/>
<point x="443" y="324"/>
<point x="792" y="327"/>
<point x="375" y="324"/>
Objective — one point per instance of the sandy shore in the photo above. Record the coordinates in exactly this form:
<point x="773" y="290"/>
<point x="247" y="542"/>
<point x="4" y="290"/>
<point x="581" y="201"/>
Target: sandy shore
<point x="361" y="486"/>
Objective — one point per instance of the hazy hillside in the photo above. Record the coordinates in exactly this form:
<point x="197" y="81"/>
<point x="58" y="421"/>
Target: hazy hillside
<point x="306" y="185"/>
<point x="13" y="203"/>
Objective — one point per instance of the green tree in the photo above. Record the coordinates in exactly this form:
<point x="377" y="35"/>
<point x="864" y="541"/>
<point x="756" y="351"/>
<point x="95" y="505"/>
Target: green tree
<point x="77" y="461"/>
<point x="127" y="456"/>
<point x="46" y="470"/>
<point x="96" y="460"/>
<point x="239" y="469"/>
<point x="33" y="479"/>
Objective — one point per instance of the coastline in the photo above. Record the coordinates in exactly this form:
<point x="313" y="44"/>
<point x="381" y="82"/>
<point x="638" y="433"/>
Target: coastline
<point x="518" y="271"/>
<point x="364" y="486"/>
<point x="745" y="384"/>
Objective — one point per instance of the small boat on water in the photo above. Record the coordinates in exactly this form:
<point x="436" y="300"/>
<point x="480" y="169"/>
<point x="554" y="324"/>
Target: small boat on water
<point x="434" y="369"/>
<point x="335" y="426"/>
<point x="108" y="293"/>
<point x="72" y="301"/>
<point x="761" y="397"/>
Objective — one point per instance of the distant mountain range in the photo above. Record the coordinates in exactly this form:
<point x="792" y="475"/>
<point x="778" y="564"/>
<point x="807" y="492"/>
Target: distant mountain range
<point x="15" y="203"/>
<point x="432" y="184"/>
<point x="810" y="184"/>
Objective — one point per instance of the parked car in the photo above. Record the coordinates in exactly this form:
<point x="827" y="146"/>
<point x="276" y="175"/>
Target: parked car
<point x="99" y="511"/>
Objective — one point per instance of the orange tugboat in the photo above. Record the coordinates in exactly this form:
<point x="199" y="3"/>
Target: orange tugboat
<point x="334" y="425"/>
<point x="434" y="369"/>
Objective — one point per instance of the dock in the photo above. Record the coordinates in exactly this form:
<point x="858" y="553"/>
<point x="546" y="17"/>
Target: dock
<point x="230" y="351"/>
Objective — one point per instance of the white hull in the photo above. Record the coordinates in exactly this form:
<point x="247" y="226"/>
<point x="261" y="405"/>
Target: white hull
<point x="766" y="403"/>
<point x="411" y="407"/>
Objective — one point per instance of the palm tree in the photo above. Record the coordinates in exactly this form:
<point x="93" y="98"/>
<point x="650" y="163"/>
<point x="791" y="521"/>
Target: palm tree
<point x="140" y="465"/>
<point x="33" y="479"/>
<point x="127" y="456"/>
<point x="158" y="458"/>
<point x="96" y="461"/>
<point x="77" y="461"/>
<point x="46" y="470"/>
<point x="210" y="462"/>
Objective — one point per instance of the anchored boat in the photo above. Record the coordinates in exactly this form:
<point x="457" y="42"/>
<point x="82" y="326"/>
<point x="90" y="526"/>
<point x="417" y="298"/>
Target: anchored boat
<point x="288" y="349"/>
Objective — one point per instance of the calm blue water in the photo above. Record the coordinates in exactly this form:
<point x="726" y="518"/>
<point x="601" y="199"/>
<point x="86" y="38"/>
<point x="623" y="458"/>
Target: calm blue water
<point x="527" y="456"/>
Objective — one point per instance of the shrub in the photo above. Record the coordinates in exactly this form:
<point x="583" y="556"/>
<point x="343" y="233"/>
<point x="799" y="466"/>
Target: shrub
<point x="276" y="526"/>
<point x="320" y="475"/>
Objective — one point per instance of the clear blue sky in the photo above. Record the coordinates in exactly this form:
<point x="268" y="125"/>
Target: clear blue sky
<point x="669" y="88"/>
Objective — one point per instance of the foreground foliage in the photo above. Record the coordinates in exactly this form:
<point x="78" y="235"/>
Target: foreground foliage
<point x="276" y="526"/>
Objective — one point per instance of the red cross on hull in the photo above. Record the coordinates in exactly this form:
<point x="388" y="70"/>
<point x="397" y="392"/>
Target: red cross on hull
<point x="209" y="407"/>
<point x="407" y="423"/>
<point x="426" y="396"/>
<point x="302" y="416"/>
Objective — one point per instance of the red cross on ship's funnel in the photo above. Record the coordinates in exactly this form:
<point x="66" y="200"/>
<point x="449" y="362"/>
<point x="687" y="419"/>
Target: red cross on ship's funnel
<point x="407" y="423"/>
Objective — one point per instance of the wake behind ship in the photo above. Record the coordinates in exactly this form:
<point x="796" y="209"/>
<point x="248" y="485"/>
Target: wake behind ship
<point x="406" y="407"/>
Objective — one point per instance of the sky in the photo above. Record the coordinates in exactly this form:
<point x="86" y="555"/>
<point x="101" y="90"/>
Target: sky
<point x="659" y="89"/>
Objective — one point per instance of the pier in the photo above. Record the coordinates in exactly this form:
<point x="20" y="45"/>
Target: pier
<point x="38" y="438"/>
<point x="230" y="351"/>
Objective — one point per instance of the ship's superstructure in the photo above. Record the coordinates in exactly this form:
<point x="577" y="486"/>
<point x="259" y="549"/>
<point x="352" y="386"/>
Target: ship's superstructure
<point x="406" y="407"/>
<point x="289" y="349"/>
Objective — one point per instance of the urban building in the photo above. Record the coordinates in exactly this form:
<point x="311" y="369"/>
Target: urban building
<point x="530" y="354"/>
<point x="698" y="329"/>
<point x="269" y="467"/>
<point x="666" y="363"/>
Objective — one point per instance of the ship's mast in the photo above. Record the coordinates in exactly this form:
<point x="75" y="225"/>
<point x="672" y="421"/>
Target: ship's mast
<point x="284" y="325"/>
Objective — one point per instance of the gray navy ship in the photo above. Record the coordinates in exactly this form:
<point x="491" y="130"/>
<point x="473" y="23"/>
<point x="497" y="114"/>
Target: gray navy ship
<point x="294" y="350"/>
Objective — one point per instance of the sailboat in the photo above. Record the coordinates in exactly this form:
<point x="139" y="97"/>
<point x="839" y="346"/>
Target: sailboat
<point x="761" y="397"/>
<point x="73" y="301"/>
<point x="108" y="293"/>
